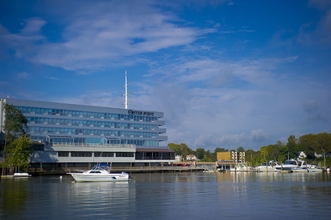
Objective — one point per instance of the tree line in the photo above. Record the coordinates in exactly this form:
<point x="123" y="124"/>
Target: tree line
<point x="312" y="145"/>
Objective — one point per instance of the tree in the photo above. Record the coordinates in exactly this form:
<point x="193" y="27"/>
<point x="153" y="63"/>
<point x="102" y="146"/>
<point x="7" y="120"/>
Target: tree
<point x="251" y="156"/>
<point x="292" y="147"/>
<point x="181" y="149"/>
<point x="218" y="149"/>
<point x="308" y="143"/>
<point x="176" y="148"/>
<point x="324" y="143"/>
<point x="15" y="126"/>
<point x="15" y="123"/>
<point x="19" y="152"/>
<point x="185" y="150"/>
<point x="240" y="149"/>
<point x="199" y="153"/>
<point x="264" y="153"/>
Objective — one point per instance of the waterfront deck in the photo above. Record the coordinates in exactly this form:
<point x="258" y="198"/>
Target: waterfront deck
<point x="175" y="167"/>
<point x="132" y="169"/>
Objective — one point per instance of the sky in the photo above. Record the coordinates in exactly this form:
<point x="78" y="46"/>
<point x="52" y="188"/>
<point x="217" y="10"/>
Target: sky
<point x="226" y="73"/>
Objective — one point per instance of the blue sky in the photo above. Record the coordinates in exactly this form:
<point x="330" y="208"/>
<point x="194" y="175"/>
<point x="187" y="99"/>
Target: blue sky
<point x="226" y="73"/>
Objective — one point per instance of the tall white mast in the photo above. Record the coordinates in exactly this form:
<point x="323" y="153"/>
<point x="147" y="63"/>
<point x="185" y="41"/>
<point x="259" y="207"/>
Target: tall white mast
<point x="126" y="94"/>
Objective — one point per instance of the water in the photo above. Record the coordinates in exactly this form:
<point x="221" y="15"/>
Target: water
<point x="171" y="196"/>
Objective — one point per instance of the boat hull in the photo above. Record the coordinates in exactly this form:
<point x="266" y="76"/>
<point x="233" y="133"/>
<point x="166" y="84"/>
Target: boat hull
<point x="300" y="170"/>
<point x="21" y="175"/>
<point x="265" y="169"/>
<point x="314" y="170"/>
<point x="111" y="177"/>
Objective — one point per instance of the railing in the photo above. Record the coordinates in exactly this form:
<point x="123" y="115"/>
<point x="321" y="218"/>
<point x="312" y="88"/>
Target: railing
<point x="93" y="145"/>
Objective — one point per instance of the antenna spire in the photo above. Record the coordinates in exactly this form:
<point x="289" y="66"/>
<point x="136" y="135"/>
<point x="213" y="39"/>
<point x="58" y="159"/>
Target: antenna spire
<point x="126" y="94"/>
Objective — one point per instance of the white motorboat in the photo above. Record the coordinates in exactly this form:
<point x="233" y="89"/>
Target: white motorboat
<point x="314" y="168"/>
<point x="21" y="175"/>
<point x="288" y="165"/>
<point x="100" y="173"/>
<point x="241" y="168"/>
<point x="302" y="167"/>
<point x="267" y="167"/>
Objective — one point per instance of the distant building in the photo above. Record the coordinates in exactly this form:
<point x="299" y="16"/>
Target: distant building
<point x="231" y="156"/>
<point x="178" y="158"/>
<point x="191" y="157"/>
<point x="69" y="135"/>
<point x="302" y="155"/>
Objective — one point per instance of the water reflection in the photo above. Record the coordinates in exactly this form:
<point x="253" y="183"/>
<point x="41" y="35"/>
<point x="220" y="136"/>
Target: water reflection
<point x="101" y="199"/>
<point x="14" y="194"/>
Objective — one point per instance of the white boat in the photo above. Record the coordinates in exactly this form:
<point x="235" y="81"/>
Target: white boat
<point x="302" y="167"/>
<point x="100" y="173"/>
<point x="241" y="168"/>
<point x="220" y="168"/>
<point x="270" y="167"/>
<point x="314" y="168"/>
<point x="21" y="175"/>
<point x="288" y="165"/>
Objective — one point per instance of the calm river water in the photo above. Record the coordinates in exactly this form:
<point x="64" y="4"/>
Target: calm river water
<point x="171" y="196"/>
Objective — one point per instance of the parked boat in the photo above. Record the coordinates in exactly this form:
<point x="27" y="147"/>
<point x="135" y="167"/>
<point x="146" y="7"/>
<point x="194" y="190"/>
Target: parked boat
<point x="100" y="173"/>
<point x="288" y="165"/>
<point x="241" y="168"/>
<point x="267" y="167"/>
<point x="314" y="168"/>
<point x="21" y="175"/>
<point x="220" y="168"/>
<point x="302" y="167"/>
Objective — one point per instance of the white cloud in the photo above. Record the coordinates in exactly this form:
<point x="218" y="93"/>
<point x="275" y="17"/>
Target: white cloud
<point x="103" y="36"/>
<point x="229" y="114"/>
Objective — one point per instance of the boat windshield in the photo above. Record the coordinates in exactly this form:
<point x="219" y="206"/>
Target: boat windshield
<point x="102" y="166"/>
<point x="291" y="162"/>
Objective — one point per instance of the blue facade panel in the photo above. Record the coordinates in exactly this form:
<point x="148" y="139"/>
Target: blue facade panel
<point x="60" y="123"/>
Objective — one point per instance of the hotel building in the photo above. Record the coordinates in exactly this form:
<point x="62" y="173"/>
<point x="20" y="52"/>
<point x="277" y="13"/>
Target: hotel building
<point x="69" y="135"/>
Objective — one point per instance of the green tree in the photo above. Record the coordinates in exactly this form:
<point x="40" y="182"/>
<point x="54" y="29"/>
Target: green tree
<point x="218" y="149"/>
<point x="251" y="156"/>
<point x="292" y="147"/>
<point x="185" y="150"/>
<point x="308" y="143"/>
<point x="15" y="123"/>
<point x="15" y="126"/>
<point x="324" y="144"/>
<point x="264" y="153"/>
<point x="176" y="148"/>
<point x="19" y="152"/>
<point x="200" y="153"/>
<point x="181" y="149"/>
<point x="240" y="149"/>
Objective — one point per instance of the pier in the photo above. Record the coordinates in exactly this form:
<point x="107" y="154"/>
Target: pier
<point x="174" y="167"/>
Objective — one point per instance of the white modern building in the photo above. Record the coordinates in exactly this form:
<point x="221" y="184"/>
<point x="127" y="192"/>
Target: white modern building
<point x="70" y="135"/>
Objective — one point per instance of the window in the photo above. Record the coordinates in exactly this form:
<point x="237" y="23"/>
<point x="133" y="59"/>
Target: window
<point x="81" y="154"/>
<point x="124" y="154"/>
<point x="103" y="154"/>
<point x="63" y="154"/>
